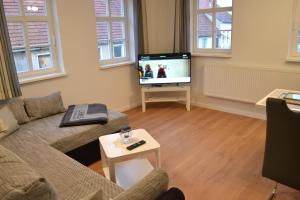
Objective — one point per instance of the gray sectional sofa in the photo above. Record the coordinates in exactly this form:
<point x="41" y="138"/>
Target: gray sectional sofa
<point x="41" y="145"/>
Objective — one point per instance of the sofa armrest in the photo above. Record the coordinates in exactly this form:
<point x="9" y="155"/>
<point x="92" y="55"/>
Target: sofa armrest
<point x="149" y="188"/>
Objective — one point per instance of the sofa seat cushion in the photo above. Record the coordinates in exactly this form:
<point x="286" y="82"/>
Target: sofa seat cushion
<point x="71" y="180"/>
<point x="19" y="181"/>
<point x="94" y="196"/>
<point x="69" y="138"/>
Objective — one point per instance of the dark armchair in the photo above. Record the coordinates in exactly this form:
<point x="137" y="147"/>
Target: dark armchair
<point x="282" y="149"/>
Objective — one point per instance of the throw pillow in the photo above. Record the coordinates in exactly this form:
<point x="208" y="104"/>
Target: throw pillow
<point x="19" y="181"/>
<point x="3" y="126"/>
<point x="16" y="105"/>
<point x="40" y="107"/>
<point x="8" y="123"/>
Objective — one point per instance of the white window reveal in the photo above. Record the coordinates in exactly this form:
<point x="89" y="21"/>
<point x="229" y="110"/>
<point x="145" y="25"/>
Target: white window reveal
<point x="112" y="31"/>
<point x="294" y="46"/>
<point x="212" y="26"/>
<point x="31" y="33"/>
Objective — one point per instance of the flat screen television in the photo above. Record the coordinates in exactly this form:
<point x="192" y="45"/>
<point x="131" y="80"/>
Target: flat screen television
<point x="157" y="69"/>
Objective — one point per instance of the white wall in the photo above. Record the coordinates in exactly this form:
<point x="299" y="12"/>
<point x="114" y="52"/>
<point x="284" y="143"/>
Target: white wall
<point x="260" y="38"/>
<point x="85" y="81"/>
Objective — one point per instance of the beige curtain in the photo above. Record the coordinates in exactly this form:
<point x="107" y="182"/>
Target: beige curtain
<point x="163" y="26"/>
<point x="9" y="83"/>
<point x="142" y="27"/>
<point x="181" y="26"/>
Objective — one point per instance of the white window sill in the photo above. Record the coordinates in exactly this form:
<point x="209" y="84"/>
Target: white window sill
<point x="293" y="59"/>
<point x="107" y="66"/>
<point x="217" y="55"/>
<point x="41" y="77"/>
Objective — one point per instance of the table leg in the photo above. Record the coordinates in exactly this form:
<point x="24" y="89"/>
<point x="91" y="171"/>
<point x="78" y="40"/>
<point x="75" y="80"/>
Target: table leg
<point x="107" y="164"/>
<point x="112" y="173"/>
<point x="158" y="158"/>
<point x="143" y="102"/>
<point x="188" y="99"/>
<point x="103" y="157"/>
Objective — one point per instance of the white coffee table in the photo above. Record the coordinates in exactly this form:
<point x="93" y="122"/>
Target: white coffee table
<point x="126" y="167"/>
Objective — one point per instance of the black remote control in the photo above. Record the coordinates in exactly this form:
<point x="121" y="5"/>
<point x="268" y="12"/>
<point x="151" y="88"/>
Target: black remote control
<point x="135" y="145"/>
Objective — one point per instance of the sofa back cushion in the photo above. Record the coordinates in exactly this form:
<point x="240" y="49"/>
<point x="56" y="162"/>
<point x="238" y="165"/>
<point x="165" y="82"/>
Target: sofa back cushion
<point x="8" y="123"/>
<point x="19" y="181"/>
<point x="40" y="107"/>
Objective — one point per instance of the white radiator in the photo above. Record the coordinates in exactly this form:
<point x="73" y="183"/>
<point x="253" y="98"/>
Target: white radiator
<point x="247" y="84"/>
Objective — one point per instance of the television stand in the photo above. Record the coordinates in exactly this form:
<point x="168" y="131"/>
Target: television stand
<point x="186" y="98"/>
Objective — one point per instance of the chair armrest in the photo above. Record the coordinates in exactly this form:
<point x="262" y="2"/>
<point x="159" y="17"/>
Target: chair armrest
<point x="149" y="188"/>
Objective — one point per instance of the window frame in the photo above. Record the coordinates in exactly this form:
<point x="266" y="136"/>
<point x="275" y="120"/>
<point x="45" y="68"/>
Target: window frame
<point x="115" y="61"/>
<point x="214" y="52"/>
<point x="49" y="18"/>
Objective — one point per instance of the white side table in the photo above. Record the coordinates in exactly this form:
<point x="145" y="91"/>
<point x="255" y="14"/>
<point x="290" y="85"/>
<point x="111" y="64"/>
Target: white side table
<point x="126" y="167"/>
<point x="276" y="94"/>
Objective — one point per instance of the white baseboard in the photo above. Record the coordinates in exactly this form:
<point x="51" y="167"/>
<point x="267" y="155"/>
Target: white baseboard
<point x="231" y="110"/>
<point x="128" y="107"/>
<point x="209" y="106"/>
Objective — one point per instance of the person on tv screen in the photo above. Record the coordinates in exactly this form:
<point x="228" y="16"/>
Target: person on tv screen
<point x="148" y="72"/>
<point x="141" y="72"/>
<point x="161" y="72"/>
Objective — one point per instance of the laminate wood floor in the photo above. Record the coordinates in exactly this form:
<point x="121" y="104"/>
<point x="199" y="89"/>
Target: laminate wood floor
<point x="210" y="155"/>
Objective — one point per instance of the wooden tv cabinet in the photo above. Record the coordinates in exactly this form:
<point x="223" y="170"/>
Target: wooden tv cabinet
<point x="186" y="98"/>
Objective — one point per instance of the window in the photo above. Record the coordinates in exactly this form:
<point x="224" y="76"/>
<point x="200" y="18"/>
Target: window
<point x="294" y="52"/>
<point x="212" y="26"/>
<point x="111" y="28"/>
<point x="30" y="30"/>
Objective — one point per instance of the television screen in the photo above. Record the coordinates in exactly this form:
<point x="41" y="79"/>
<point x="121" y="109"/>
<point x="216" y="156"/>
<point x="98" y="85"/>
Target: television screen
<point x="164" y="68"/>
